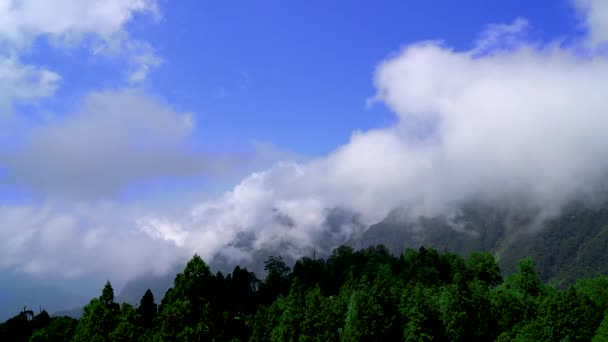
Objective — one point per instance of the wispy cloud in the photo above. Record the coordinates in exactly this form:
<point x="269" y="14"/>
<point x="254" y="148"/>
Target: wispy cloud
<point x="593" y="14"/>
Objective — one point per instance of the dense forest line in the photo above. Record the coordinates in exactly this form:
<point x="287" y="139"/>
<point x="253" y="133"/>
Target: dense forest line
<point x="366" y="295"/>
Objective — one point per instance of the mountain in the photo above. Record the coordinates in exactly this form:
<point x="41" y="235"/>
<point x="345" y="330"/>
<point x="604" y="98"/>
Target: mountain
<point x="19" y="289"/>
<point x="570" y="246"/>
<point x="473" y="227"/>
<point x="134" y="289"/>
<point x="564" y="247"/>
<point x="340" y="225"/>
<point x="75" y="313"/>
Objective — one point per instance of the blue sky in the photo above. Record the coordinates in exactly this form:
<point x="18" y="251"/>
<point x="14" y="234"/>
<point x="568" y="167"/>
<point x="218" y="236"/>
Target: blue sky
<point x="294" y="74"/>
<point x="135" y="133"/>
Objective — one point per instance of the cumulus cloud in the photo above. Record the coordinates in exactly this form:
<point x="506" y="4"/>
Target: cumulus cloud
<point x="526" y="119"/>
<point x="594" y="14"/>
<point x="100" y="25"/>
<point x="67" y="21"/>
<point x="505" y="120"/>
<point x="76" y="163"/>
<point x="54" y="240"/>
<point x="19" y="82"/>
<point x="114" y="138"/>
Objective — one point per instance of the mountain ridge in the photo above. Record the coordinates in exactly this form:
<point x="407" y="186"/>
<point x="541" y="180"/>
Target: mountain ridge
<point x="564" y="247"/>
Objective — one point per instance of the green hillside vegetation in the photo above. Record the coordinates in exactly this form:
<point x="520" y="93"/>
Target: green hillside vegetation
<point x="366" y="295"/>
<point x="566" y="247"/>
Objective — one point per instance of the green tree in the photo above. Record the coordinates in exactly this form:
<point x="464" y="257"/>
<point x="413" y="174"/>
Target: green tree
<point x="339" y="265"/>
<point x="563" y="316"/>
<point x="99" y="319"/>
<point x="596" y="289"/>
<point x="127" y="328"/>
<point x="452" y="309"/>
<point x="483" y="266"/>
<point x="292" y="314"/>
<point x="185" y="312"/>
<point x="526" y="280"/>
<point x="515" y="302"/>
<point x="147" y="309"/>
<point x="96" y="323"/>
<point x="420" y="315"/>
<point x="276" y="282"/>
<point x="601" y="335"/>
<point x="482" y="325"/>
<point x="313" y="326"/>
<point x="19" y="327"/>
<point x="266" y="319"/>
<point x="59" y="329"/>
<point x="324" y="316"/>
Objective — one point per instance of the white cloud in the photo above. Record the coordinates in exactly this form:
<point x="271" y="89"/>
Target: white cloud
<point x="502" y="36"/>
<point x="66" y="21"/>
<point x="520" y="120"/>
<point x="20" y="82"/>
<point x="101" y="24"/>
<point x="142" y="61"/>
<point x="527" y="119"/>
<point x="80" y="240"/>
<point x="113" y="140"/>
<point x="162" y="230"/>
<point x="594" y="14"/>
<point x="517" y="120"/>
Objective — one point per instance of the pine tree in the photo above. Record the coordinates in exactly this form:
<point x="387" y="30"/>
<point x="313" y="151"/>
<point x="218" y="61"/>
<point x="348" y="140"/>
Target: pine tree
<point x="147" y="309"/>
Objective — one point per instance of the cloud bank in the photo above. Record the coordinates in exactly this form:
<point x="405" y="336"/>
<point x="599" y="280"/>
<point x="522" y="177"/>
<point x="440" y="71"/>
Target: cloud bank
<point x="593" y="14"/>
<point x="113" y="139"/>
<point x="77" y="163"/>
<point x="79" y="241"/>
<point x="508" y="118"/>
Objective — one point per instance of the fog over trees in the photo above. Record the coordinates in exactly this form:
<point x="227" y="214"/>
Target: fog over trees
<point x="365" y="295"/>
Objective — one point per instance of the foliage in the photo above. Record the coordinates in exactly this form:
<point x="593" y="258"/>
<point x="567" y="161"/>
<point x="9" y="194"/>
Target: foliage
<point x="366" y="295"/>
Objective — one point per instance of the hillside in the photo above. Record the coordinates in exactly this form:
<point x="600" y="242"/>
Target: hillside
<point x="365" y="295"/>
<point x="564" y="248"/>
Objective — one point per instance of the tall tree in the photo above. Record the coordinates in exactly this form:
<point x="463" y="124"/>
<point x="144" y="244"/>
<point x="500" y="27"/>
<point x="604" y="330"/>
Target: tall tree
<point x="99" y="318"/>
<point x="127" y="328"/>
<point x="147" y="309"/>
<point x="292" y="314"/>
<point x="601" y="335"/>
<point x="185" y="312"/>
<point x="276" y="282"/>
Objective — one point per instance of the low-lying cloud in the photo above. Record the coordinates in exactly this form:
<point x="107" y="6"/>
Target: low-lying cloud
<point x="80" y="240"/>
<point x="508" y="118"/>
<point x="113" y="139"/>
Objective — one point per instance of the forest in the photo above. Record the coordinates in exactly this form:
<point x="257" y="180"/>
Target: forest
<point x="365" y="295"/>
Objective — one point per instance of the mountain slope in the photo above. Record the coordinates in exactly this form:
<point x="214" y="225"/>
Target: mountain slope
<point x="569" y="246"/>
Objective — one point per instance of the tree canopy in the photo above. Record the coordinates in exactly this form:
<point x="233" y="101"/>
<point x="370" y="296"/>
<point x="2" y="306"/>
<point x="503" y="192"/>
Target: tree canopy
<point x="365" y="295"/>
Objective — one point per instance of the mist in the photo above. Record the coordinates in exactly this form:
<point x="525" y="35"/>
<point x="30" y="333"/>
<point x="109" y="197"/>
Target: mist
<point x="511" y="120"/>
